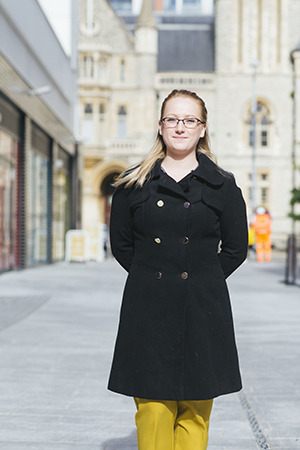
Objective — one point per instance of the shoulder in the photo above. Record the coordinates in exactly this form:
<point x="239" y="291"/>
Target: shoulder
<point x="227" y="175"/>
<point x="130" y="195"/>
<point x="213" y="174"/>
<point x="229" y="183"/>
<point x="220" y="187"/>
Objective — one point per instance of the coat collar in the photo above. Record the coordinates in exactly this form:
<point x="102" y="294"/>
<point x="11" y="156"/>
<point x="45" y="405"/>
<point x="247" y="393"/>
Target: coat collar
<point x="207" y="171"/>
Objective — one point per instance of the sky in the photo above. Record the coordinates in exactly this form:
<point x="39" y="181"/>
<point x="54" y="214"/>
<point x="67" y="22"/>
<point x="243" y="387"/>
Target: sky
<point x="58" y="13"/>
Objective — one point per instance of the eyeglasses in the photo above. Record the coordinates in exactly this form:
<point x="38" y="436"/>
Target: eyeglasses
<point x="172" y="122"/>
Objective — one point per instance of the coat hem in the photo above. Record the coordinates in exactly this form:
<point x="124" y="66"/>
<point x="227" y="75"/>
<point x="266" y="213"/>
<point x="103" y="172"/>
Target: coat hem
<point x="179" y="398"/>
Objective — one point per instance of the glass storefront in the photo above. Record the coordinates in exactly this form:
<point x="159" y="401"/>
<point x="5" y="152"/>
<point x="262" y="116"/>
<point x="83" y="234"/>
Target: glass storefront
<point x="61" y="204"/>
<point x="38" y="177"/>
<point x="39" y="192"/>
<point x="9" y="205"/>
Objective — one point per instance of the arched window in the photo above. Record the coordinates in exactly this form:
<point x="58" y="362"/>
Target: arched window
<point x="122" y="122"/>
<point x="263" y="126"/>
<point x="264" y="131"/>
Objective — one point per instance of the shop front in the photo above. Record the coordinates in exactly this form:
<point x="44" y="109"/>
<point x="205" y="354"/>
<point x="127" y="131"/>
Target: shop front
<point x="38" y="203"/>
<point x="61" y="203"/>
<point x="38" y="192"/>
<point x="10" y="164"/>
<point x="40" y="161"/>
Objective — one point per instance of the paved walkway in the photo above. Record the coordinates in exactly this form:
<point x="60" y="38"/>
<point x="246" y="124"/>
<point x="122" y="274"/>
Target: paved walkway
<point x="57" y="330"/>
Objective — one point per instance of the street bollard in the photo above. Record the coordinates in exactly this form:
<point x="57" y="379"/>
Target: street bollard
<point x="291" y="260"/>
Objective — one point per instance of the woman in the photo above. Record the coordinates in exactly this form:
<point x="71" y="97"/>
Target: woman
<point x="178" y="226"/>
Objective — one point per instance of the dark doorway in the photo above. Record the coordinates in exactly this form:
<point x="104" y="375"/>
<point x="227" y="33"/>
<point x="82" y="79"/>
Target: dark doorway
<point x="107" y="191"/>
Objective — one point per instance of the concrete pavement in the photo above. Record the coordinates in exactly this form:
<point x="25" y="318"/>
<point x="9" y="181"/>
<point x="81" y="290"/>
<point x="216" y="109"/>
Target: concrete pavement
<point x="57" y="331"/>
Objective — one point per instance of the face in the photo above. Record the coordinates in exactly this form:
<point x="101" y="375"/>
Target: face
<point x="181" y="141"/>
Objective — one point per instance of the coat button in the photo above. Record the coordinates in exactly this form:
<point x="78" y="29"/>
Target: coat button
<point x="160" y="203"/>
<point x="158" y="275"/>
<point x="184" y="275"/>
<point x="157" y="240"/>
<point x="186" y="204"/>
<point x="185" y="240"/>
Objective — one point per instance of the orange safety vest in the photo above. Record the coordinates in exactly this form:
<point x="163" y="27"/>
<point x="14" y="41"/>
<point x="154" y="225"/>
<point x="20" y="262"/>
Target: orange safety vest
<point x="262" y="224"/>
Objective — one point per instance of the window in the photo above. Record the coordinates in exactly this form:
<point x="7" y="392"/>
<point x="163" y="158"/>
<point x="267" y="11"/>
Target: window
<point x="101" y="109"/>
<point x="249" y="194"/>
<point x="122" y="122"/>
<point x="251" y="137"/>
<point x="61" y="203"/>
<point x="262" y="184"/>
<point x="191" y="6"/>
<point x="101" y="121"/>
<point x="88" y="123"/>
<point x="184" y="6"/>
<point x="121" y="5"/>
<point x="88" y="109"/>
<point x="264" y="131"/>
<point x="122" y="70"/>
<point x="9" y="208"/>
<point x="264" y="195"/>
<point x="263" y="126"/>
<point x="37" y="211"/>
<point x="169" y="5"/>
<point x="88" y="67"/>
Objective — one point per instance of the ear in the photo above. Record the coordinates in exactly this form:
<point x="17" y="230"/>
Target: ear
<point x="160" y="127"/>
<point x="202" y="134"/>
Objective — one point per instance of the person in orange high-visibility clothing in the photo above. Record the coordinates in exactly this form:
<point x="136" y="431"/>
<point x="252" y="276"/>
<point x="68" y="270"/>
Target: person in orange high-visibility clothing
<point x="262" y="228"/>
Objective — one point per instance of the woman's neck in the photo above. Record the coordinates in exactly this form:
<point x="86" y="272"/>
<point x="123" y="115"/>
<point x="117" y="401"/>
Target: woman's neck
<point x="179" y="168"/>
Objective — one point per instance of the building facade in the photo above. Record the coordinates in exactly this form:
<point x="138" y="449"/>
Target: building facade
<point x="131" y="57"/>
<point x="39" y="164"/>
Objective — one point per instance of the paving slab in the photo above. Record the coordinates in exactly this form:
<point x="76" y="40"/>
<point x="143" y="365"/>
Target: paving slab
<point x="57" y="329"/>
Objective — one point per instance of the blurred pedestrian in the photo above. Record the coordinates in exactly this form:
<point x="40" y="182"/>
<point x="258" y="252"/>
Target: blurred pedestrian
<point x="175" y="349"/>
<point x="262" y="227"/>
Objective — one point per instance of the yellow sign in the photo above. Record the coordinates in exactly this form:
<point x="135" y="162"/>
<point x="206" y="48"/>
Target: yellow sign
<point x="77" y="246"/>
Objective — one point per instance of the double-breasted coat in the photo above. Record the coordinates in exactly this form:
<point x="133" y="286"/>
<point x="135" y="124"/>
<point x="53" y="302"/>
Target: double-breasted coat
<point x="176" y="338"/>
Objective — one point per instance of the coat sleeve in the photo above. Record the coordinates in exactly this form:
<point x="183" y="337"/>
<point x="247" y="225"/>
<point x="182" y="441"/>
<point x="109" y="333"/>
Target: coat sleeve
<point x="234" y="229"/>
<point x="121" y="228"/>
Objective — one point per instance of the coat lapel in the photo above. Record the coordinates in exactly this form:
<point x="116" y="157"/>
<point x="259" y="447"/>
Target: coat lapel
<point x="165" y="182"/>
<point x="206" y="172"/>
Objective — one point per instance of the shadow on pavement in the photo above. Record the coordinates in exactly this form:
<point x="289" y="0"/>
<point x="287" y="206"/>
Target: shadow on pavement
<point x="125" y="443"/>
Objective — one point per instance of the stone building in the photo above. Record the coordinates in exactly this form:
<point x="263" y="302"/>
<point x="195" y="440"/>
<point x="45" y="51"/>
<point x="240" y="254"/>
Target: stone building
<point x="117" y="98"/>
<point x="131" y="57"/>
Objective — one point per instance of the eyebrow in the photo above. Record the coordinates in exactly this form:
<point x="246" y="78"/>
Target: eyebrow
<point x="177" y="117"/>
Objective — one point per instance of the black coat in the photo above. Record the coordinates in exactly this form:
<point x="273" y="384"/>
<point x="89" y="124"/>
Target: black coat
<point x="176" y="339"/>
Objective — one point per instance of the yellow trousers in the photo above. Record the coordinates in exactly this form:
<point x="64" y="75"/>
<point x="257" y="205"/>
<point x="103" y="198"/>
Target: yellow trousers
<point x="172" y="425"/>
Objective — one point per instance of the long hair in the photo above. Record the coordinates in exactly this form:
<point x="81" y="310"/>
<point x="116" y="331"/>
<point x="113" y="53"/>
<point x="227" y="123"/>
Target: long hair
<point x="138" y="174"/>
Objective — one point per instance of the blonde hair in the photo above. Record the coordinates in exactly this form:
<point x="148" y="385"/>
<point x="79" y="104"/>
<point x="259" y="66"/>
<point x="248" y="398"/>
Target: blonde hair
<point x="139" y="174"/>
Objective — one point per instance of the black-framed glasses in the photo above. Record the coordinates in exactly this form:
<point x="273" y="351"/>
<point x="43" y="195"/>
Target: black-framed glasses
<point x="189" y="122"/>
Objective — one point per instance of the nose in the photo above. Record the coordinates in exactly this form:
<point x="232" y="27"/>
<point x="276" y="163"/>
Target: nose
<point x="180" y="126"/>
